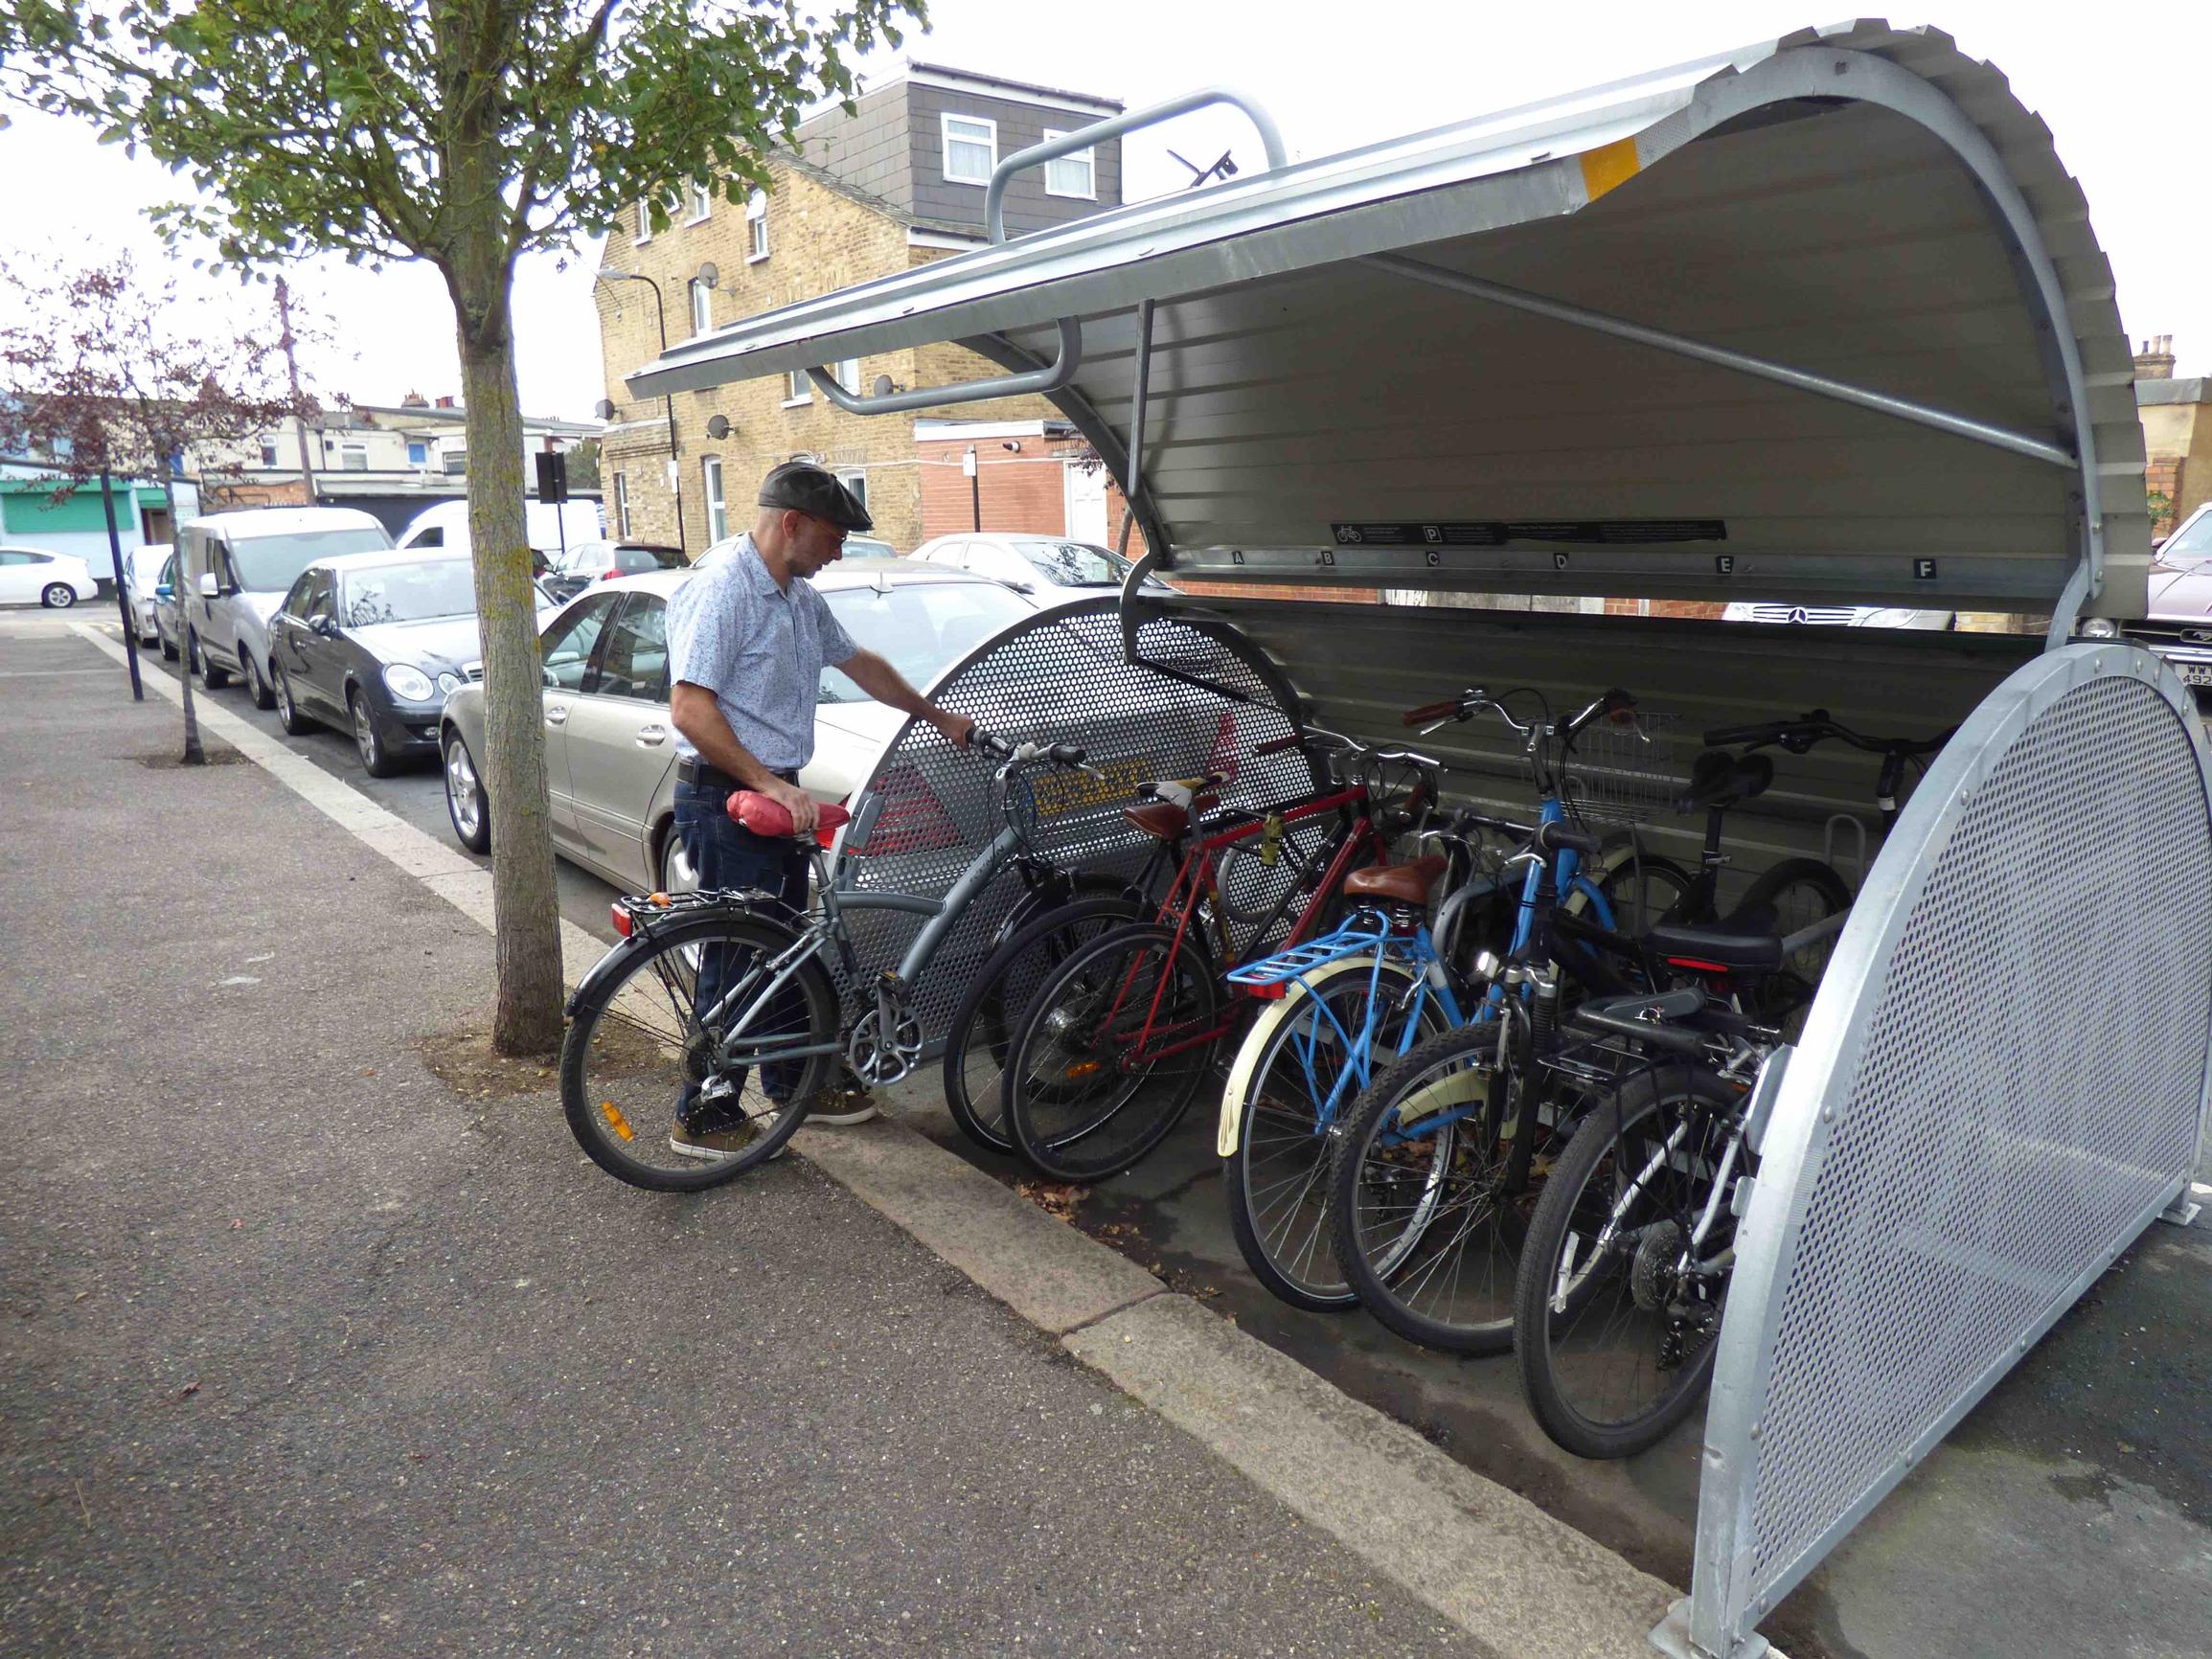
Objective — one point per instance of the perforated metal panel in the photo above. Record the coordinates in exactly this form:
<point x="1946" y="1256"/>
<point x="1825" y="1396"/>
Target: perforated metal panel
<point x="1062" y="677"/>
<point x="2001" y="1084"/>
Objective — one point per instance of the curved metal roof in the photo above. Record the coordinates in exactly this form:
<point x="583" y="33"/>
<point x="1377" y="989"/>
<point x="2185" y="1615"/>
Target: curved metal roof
<point x="1594" y="345"/>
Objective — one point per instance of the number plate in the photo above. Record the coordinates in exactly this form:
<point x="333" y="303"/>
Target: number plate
<point x="1061" y="791"/>
<point x="2195" y="673"/>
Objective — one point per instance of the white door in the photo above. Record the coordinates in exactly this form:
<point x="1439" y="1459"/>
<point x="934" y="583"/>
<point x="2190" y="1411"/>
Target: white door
<point x="18" y="577"/>
<point x="1087" y="505"/>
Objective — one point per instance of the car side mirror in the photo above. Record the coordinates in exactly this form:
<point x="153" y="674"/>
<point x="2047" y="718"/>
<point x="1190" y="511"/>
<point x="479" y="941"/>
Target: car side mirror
<point x="209" y="587"/>
<point x="165" y="591"/>
<point x="326" y="627"/>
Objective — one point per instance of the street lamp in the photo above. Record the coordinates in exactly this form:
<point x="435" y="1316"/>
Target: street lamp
<point x="668" y="402"/>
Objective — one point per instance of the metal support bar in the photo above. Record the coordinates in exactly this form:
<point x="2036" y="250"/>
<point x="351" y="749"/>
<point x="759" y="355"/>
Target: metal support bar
<point x="1741" y="363"/>
<point x="1099" y="131"/>
<point x="1051" y="377"/>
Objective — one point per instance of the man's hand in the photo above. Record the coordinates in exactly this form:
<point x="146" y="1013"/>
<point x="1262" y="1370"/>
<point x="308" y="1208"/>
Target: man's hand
<point x="805" y="813"/>
<point x="955" y="727"/>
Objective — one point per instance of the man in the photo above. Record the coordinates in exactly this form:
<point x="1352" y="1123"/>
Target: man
<point x="747" y="642"/>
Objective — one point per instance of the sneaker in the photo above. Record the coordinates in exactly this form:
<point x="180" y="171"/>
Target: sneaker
<point x="709" y="1146"/>
<point x="847" y="1101"/>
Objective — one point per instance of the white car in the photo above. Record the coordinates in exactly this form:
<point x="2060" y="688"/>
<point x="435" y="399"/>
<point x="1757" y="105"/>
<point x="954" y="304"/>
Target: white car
<point x="56" y="580"/>
<point x="2179" y="626"/>
<point x="1049" y="567"/>
<point x="610" y="743"/>
<point x="236" y="568"/>
<point x="1841" y="616"/>
<point x="141" y="574"/>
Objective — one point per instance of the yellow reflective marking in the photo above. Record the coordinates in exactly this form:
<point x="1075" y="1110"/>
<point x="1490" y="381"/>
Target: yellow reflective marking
<point x="1609" y="166"/>
<point x="1081" y="1069"/>
<point x="612" y="1113"/>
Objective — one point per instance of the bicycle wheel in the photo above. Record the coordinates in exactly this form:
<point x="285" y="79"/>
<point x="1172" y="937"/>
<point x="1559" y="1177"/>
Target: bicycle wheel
<point x="1425" y="1232"/>
<point x="981" y="1034"/>
<point x="1299" y="1072"/>
<point x="1799" y="892"/>
<point x="1112" y="1050"/>
<point x="1643" y="890"/>
<point x="637" y="1053"/>
<point x="1616" y="1323"/>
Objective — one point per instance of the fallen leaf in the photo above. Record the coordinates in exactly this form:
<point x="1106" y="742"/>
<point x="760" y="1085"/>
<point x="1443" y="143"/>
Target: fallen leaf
<point x="187" y="1388"/>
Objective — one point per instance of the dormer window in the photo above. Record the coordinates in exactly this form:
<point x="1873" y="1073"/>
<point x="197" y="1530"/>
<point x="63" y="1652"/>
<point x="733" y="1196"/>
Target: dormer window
<point x="971" y="149"/>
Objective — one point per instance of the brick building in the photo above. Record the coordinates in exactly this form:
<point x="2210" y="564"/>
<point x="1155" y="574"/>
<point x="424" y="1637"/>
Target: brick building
<point x="2177" y="434"/>
<point x="898" y="181"/>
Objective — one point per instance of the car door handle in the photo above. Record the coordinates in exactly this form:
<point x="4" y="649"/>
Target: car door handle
<point x="651" y="736"/>
<point x="556" y="714"/>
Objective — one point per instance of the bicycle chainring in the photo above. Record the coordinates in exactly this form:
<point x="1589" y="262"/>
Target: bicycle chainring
<point x="880" y="1058"/>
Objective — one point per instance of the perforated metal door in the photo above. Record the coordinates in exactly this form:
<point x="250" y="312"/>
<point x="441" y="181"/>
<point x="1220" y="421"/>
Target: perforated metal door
<point x="1062" y="677"/>
<point x="2001" y="1084"/>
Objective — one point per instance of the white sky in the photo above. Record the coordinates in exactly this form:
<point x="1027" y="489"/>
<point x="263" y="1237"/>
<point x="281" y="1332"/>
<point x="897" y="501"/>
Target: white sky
<point x="2124" y="95"/>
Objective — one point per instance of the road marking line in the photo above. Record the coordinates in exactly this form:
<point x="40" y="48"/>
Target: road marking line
<point x="1477" y="1555"/>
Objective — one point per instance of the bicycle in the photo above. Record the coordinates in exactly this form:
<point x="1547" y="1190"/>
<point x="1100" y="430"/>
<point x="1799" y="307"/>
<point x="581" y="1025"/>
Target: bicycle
<point x="1118" y="1038"/>
<point x="1381" y="982"/>
<point x="638" y="1044"/>
<point x="1624" y="1271"/>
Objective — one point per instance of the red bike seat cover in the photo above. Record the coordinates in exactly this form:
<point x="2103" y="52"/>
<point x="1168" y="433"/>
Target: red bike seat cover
<point x="763" y="816"/>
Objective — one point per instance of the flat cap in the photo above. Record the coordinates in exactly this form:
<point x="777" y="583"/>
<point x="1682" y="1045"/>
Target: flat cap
<point x="811" y="490"/>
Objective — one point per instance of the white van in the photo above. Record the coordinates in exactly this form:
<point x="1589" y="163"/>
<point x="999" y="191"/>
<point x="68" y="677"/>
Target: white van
<point x="236" y="568"/>
<point x="544" y="525"/>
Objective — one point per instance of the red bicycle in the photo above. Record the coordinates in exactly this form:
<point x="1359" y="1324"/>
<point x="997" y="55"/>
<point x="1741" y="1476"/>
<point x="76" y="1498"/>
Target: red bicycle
<point x="1115" y="1043"/>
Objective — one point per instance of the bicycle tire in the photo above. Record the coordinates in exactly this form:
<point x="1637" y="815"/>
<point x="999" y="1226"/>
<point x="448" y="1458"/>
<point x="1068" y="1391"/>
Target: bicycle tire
<point x="1451" y="1198"/>
<point x="1799" y="892"/>
<point x="1547" y="1323"/>
<point x="629" y="1088"/>
<point x="1065" y="1126"/>
<point x="1276" y="1185"/>
<point x="983" y="1026"/>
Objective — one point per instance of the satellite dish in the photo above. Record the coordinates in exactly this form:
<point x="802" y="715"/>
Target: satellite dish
<point x="709" y="273"/>
<point x="883" y="386"/>
<point x="717" y="427"/>
<point x="604" y="409"/>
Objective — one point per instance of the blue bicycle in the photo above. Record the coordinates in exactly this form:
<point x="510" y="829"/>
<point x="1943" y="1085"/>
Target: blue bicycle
<point x="1360" y="999"/>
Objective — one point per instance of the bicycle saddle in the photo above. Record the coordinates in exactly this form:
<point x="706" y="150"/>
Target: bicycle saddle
<point x="1720" y="779"/>
<point x="1168" y="819"/>
<point x="1743" y="943"/>
<point x="1396" y="883"/>
<point x="763" y="816"/>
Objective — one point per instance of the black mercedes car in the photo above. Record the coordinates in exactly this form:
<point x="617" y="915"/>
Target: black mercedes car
<point x="371" y="642"/>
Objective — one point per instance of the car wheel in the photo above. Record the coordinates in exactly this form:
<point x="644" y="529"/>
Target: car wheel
<point x="374" y="759"/>
<point x="210" y="677"/>
<point x="168" y="646"/>
<point x="678" y="873"/>
<point x="464" y="801"/>
<point x="289" y="714"/>
<point x="58" y="596"/>
<point x="256" y="687"/>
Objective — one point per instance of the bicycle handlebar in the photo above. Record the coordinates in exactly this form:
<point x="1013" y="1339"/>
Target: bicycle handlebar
<point x="1559" y="837"/>
<point x="1278" y="745"/>
<point x="1815" y="725"/>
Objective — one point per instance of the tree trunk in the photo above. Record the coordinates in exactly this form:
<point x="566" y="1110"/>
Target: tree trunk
<point x="525" y="905"/>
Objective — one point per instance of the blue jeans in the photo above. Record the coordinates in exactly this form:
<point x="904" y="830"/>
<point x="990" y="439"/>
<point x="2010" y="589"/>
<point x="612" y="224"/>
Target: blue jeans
<point x="725" y="853"/>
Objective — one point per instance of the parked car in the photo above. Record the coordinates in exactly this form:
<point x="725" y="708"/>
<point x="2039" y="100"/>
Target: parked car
<point x="2180" y="625"/>
<point x="1841" y="616"/>
<point x="372" y="643"/>
<point x="545" y="525"/>
<point x="610" y="743"/>
<point x="1038" y="564"/>
<point x="238" y="567"/>
<point x="855" y="547"/>
<point x="606" y="561"/>
<point x="168" y="611"/>
<point x="141" y="569"/>
<point x="56" y="580"/>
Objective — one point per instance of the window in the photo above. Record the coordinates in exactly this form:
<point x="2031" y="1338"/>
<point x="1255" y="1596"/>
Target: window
<point x="634" y="662"/>
<point x="418" y="454"/>
<point x="354" y="457"/>
<point x="644" y="226"/>
<point x="268" y="452"/>
<point x="757" y="226"/>
<point x="421" y="591"/>
<point x="702" y="309"/>
<point x="717" y="515"/>
<point x="854" y="479"/>
<point x="699" y="200"/>
<point x="923" y="628"/>
<point x="567" y="643"/>
<point x="621" y="504"/>
<point x="1072" y="175"/>
<point x="971" y="149"/>
<point x="321" y="597"/>
<point x="801" y="389"/>
<point x="272" y="564"/>
<point x="434" y="536"/>
<point x="455" y="463"/>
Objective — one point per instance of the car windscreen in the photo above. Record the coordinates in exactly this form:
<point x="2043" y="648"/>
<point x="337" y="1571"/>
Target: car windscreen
<point x="633" y="560"/>
<point x="1073" y="564"/>
<point x="2191" y="545"/>
<point x="272" y="564"/>
<point x="921" y="626"/>
<point x="868" y="547"/>
<point x="418" y="592"/>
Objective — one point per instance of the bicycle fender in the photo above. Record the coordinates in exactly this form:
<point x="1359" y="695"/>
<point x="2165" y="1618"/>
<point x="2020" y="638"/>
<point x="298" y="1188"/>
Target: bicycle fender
<point x="637" y="944"/>
<point x="1237" y="1094"/>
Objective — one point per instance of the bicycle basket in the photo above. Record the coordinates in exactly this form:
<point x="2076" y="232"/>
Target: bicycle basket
<point x="1627" y="773"/>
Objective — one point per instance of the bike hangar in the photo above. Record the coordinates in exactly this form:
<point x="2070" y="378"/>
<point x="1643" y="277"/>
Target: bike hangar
<point x="1820" y="321"/>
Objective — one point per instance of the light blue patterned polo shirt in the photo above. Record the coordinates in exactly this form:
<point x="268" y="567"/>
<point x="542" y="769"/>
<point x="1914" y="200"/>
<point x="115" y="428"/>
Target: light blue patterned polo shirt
<point x="761" y="650"/>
